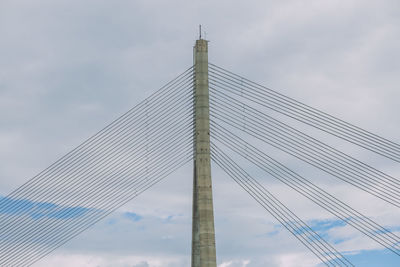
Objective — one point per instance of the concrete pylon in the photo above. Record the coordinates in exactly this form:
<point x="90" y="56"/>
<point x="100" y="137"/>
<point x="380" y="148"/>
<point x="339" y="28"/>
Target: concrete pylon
<point x="203" y="235"/>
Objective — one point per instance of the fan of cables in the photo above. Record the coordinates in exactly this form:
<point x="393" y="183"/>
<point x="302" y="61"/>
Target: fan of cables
<point x="155" y="138"/>
<point x="234" y="117"/>
<point x="121" y="161"/>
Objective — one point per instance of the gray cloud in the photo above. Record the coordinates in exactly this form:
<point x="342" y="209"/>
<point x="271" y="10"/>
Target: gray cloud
<point x="68" y="68"/>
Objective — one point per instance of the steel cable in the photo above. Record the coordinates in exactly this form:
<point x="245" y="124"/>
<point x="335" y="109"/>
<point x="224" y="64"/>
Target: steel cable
<point x="118" y="134"/>
<point x="296" y="110"/>
<point x="313" y="159"/>
<point x="314" y="242"/>
<point x="102" y="136"/>
<point x="233" y="105"/>
<point x="95" y="190"/>
<point x="309" y="148"/>
<point x="304" y="107"/>
<point x="29" y="261"/>
<point x="106" y="200"/>
<point x="163" y="90"/>
<point x="307" y="188"/>
<point x="104" y="156"/>
<point x="248" y="95"/>
<point x="181" y="129"/>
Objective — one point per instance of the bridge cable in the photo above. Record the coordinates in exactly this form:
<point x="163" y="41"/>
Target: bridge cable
<point x="376" y="185"/>
<point x="126" y="129"/>
<point x="65" y="235"/>
<point x="292" y="114"/>
<point x="305" y="187"/>
<point x="137" y="110"/>
<point x="77" y="178"/>
<point x="94" y="190"/>
<point x="103" y="132"/>
<point x="168" y="156"/>
<point x="247" y="112"/>
<point x="188" y="132"/>
<point x="313" y="241"/>
<point x="113" y="144"/>
<point x="239" y="81"/>
<point x="294" y="109"/>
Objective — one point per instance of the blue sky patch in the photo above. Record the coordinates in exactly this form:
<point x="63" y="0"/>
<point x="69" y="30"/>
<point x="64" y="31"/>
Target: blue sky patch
<point x="325" y="225"/>
<point x="39" y="210"/>
<point x="374" y="258"/>
<point x="132" y="216"/>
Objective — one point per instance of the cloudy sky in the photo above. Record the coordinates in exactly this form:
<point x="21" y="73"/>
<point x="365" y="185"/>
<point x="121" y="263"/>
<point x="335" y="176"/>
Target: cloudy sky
<point x="68" y="68"/>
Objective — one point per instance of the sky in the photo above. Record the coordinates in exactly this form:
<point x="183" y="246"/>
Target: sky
<point x="68" y="68"/>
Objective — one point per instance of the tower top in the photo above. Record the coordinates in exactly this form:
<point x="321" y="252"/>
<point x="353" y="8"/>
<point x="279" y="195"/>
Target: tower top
<point x="201" y="45"/>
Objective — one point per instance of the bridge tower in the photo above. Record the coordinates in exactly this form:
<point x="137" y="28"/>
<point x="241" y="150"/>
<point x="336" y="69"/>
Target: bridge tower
<point x="203" y="235"/>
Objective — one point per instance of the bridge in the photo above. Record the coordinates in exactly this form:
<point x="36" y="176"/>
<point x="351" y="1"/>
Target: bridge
<point x="208" y="116"/>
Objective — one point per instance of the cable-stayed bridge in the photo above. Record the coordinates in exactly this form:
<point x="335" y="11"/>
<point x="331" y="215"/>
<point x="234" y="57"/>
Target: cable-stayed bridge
<point x="206" y="114"/>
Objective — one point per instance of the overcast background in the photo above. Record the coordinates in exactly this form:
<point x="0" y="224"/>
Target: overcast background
<point x="67" y="68"/>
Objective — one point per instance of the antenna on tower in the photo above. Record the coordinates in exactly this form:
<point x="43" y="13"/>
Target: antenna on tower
<point x="200" y="31"/>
